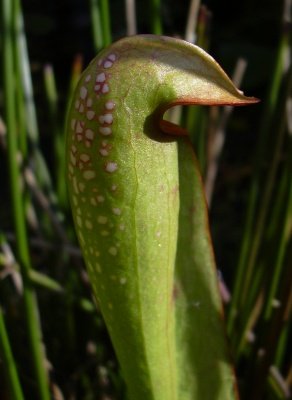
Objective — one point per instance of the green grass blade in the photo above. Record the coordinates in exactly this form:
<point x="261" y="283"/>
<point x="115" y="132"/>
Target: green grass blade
<point x="105" y="22"/>
<point x="29" y="107"/>
<point x="155" y="19"/>
<point x="239" y="297"/>
<point x="96" y="25"/>
<point x="265" y="204"/>
<point x="9" y="363"/>
<point x="30" y="304"/>
<point x="52" y="101"/>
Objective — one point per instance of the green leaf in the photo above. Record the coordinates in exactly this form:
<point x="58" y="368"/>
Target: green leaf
<point x="141" y="218"/>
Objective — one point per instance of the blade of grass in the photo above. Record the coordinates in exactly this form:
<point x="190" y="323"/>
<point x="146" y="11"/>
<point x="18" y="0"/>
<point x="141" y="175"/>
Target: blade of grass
<point x="105" y="22"/>
<point x="239" y="296"/>
<point x="155" y="17"/>
<point x="96" y="25"/>
<point x="9" y="363"/>
<point x="131" y="17"/>
<point x="190" y="33"/>
<point x="58" y="137"/>
<point x="30" y="303"/>
<point x="203" y="27"/>
<point x="259" y="230"/>
<point x="220" y="134"/>
<point x="29" y="108"/>
<point x="278" y="384"/>
<point x="283" y="241"/>
<point x="196" y="117"/>
<point x="8" y="261"/>
<point x="260" y="365"/>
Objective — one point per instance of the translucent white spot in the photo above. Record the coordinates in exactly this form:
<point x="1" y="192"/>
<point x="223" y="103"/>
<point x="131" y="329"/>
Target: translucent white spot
<point x="83" y="92"/>
<point x="158" y="234"/>
<point x="111" y="166"/>
<point x="88" y="174"/>
<point x="123" y="281"/>
<point x="99" y="62"/>
<point x="112" y="57"/>
<point x="104" y="143"/>
<point x="101" y="77"/>
<point x="93" y="201"/>
<point x="73" y="122"/>
<point x="72" y="159"/>
<point x="97" y="87"/>
<point x="101" y="219"/>
<point x="89" y="102"/>
<point x="107" y="64"/>
<point x="105" y="130"/>
<point x="262" y="352"/>
<point x="89" y="266"/>
<point x="91" y="250"/>
<point x="75" y="200"/>
<point x="276" y="303"/>
<point x="75" y="186"/>
<point x="90" y="114"/>
<point x="81" y="186"/>
<point x="104" y="233"/>
<point x="81" y="237"/>
<point x="100" y="199"/>
<point x="122" y="227"/>
<point x="113" y="251"/>
<point x="114" y="188"/>
<point x="84" y="157"/>
<point x="81" y="108"/>
<point x="88" y="77"/>
<point x="110" y="105"/>
<point x="79" y="221"/>
<point x="77" y="104"/>
<point x="105" y="88"/>
<point x="71" y="169"/>
<point x="89" y="134"/>
<point x="106" y="118"/>
<point x="88" y="224"/>
<point x="104" y="152"/>
<point x="117" y="211"/>
<point x="79" y="127"/>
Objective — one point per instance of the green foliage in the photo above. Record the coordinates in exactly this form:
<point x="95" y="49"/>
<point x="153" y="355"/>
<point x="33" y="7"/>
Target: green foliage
<point x="140" y="214"/>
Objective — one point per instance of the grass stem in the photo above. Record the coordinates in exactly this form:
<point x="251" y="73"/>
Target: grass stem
<point x="30" y="303"/>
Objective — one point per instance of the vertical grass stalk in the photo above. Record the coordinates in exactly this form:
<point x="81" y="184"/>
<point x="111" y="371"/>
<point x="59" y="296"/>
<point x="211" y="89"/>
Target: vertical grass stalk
<point x="30" y="303"/>
<point x="105" y="22"/>
<point x="9" y="363"/>
<point x="96" y="25"/>
<point x="155" y="12"/>
<point x="239" y="296"/>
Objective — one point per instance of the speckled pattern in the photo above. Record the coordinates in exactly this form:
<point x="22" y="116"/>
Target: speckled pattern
<point x="124" y="189"/>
